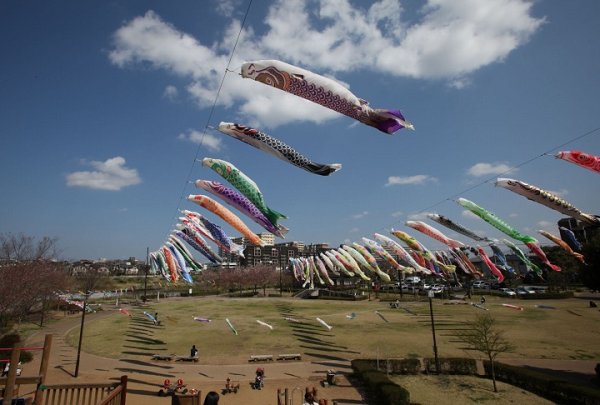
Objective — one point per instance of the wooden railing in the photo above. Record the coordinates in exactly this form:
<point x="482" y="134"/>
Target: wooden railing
<point x="86" y="394"/>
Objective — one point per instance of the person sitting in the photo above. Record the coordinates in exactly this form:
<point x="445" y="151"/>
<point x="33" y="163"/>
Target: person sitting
<point x="194" y="352"/>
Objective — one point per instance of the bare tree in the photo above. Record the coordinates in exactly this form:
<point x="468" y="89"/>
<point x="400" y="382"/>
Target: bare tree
<point x="483" y="335"/>
<point x="21" y="247"/>
<point x="27" y="286"/>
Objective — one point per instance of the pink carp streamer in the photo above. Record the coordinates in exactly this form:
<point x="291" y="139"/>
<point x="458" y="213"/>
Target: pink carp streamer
<point x="582" y="159"/>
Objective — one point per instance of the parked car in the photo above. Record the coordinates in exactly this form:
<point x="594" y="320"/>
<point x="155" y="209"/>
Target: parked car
<point x="524" y="290"/>
<point x="508" y="292"/>
<point x="480" y="284"/>
<point x="437" y="288"/>
<point x="412" y="280"/>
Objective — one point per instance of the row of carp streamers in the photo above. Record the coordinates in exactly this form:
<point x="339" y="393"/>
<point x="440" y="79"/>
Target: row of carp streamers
<point x="174" y="260"/>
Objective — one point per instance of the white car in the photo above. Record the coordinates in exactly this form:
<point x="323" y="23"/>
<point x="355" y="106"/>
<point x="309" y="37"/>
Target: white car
<point x="508" y="292"/>
<point x="480" y="284"/>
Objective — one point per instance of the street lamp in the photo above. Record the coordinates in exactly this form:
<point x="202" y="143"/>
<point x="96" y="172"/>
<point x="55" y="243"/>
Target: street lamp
<point x="80" y="335"/>
<point x="430" y="294"/>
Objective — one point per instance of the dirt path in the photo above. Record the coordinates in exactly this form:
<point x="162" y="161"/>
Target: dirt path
<point x="146" y="377"/>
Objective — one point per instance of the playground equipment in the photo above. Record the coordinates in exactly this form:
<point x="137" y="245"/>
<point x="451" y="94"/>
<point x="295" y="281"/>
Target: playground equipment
<point x="169" y="389"/>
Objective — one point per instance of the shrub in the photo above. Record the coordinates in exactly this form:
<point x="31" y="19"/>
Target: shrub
<point x="545" y="385"/>
<point x="452" y="365"/>
<point x="395" y="394"/>
<point x="12" y="340"/>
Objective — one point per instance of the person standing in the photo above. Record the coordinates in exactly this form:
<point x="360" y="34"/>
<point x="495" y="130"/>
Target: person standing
<point x="193" y="351"/>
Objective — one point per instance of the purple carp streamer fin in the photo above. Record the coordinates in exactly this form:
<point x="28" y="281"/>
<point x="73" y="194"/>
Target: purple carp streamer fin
<point x="434" y="233"/>
<point x="276" y="148"/>
<point x="582" y="159"/>
<point x="242" y="204"/>
<point x="244" y="185"/>
<point x="563" y="245"/>
<point x="442" y="220"/>
<point x="323" y="91"/>
<point x="546" y="198"/>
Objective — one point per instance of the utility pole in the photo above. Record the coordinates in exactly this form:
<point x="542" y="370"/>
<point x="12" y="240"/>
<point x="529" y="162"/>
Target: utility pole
<point x="80" y="335"/>
<point x="430" y="294"/>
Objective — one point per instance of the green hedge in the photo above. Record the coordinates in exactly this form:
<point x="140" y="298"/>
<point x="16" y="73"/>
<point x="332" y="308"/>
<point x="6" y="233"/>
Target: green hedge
<point x="383" y="390"/>
<point x="548" y="295"/>
<point x="452" y="365"/>
<point x="544" y="385"/>
<point x="13" y="340"/>
<point x="396" y="366"/>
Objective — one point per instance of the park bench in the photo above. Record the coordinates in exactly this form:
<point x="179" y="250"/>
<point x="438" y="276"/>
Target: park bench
<point x="289" y="356"/>
<point x="162" y="357"/>
<point x="187" y="358"/>
<point x="261" y="357"/>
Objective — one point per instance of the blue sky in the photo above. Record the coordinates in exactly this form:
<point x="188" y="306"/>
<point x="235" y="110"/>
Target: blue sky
<point x="102" y="106"/>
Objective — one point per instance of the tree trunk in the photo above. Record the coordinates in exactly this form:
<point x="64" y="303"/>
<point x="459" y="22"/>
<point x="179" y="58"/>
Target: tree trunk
<point x="493" y="373"/>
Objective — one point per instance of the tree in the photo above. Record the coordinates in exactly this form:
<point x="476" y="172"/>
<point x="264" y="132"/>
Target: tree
<point x="483" y="335"/>
<point x="28" y="285"/>
<point x="21" y="247"/>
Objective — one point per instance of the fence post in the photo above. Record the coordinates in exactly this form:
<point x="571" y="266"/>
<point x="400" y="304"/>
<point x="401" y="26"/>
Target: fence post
<point x="12" y="375"/>
<point x="39" y="394"/>
<point x="123" y="389"/>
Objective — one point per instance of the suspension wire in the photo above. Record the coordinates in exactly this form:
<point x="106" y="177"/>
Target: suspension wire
<point x="212" y="110"/>
<point x="490" y="179"/>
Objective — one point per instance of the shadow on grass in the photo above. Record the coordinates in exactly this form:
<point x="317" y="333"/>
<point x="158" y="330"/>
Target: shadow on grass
<point x="135" y="380"/>
<point x="146" y="372"/>
<point x="325" y="356"/>
<point x="143" y="347"/>
<point x="145" y="363"/>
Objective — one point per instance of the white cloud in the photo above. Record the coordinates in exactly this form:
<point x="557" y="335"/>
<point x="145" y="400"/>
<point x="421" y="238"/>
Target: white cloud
<point x="561" y="193"/>
<point x="513" y="215"/>
<point x="227" y="7"/>
<point x="449" y="40"/>
<point x="486" y="169"/>
<point x="361" y="215"/>
<point x="170" y="93"/>
<point x="397" y="214"/>
<point x="211" y="142"/>
<point x="469" y="214"/>
<point x="546" y="224"/>
<point x="421" y="216"/>
<point x="109" y="175"/>
<point x="417" y="179"/>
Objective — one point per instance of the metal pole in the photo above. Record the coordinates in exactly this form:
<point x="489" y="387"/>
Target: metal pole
<point x="146" y="273"/>
<point x="80" y="337"/>
<point x="435" y="352"/>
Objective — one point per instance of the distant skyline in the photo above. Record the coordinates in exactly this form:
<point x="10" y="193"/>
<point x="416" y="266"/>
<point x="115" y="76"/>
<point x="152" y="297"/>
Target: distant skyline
<point x="105" y="108"/>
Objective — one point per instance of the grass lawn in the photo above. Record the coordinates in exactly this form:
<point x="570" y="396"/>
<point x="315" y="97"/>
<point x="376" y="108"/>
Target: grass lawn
<point x="568" y="332"/>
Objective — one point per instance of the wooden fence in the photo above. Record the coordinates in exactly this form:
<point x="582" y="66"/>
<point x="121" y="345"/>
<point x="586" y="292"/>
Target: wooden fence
<point x="86" y="394"/>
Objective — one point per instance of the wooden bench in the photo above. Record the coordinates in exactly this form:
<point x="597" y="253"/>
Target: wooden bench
<point x="186" y="358"/>
<point x="289" y="356"/>
<point x="162" y="357"/>
<point x="261" y="357"/>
